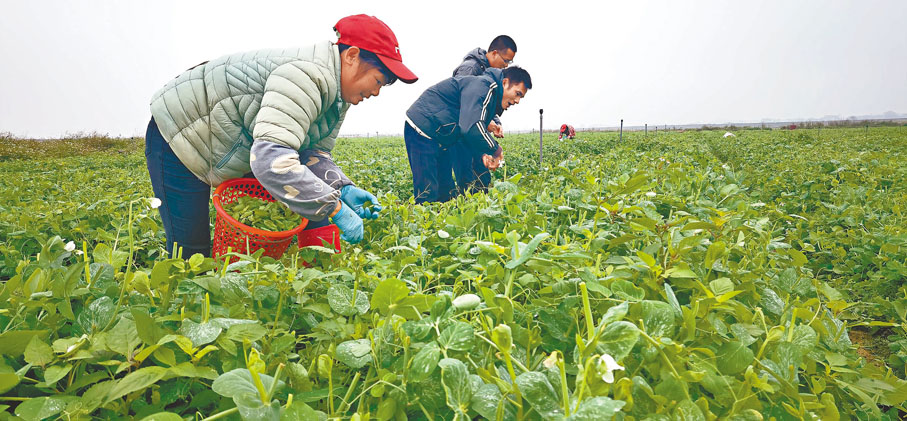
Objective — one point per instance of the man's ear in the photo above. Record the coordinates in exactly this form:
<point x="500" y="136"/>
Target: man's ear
<point x="506" y="83"/>
<point x="351" y="55"/>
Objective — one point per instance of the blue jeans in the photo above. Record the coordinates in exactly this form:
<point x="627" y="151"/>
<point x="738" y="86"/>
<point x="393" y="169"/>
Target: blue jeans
<point x="184" y="198"/>
<point x="472" y="176"/>
<point x="431" y="167"/>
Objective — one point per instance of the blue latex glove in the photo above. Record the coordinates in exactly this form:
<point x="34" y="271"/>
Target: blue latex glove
<point x="356" y="198"/>
<point x="349" y="223"/>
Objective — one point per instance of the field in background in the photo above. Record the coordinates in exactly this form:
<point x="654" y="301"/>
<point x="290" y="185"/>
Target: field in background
<point x="729" y="276"/>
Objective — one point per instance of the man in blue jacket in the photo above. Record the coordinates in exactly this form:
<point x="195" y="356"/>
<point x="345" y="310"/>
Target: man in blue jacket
<point x="468" y="168"/>
<point x="457" y="111"/>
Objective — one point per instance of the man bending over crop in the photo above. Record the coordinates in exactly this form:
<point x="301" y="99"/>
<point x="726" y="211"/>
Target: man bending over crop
<point x="455" y="111"/>
<point x="468" y="168"/>
<point x="275" y="113"/>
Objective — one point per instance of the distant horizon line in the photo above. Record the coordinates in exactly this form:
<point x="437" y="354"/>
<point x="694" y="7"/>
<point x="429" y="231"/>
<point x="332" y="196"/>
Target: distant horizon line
<point x="771" y="123"/>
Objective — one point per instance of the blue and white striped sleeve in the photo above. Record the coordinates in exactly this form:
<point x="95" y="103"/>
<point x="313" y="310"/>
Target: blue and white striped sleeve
<point x="478" y="103"/>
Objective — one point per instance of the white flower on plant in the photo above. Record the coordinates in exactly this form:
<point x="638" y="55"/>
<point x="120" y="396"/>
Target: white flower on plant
<point x="443" y="234"/>
<point x="155" y="203"/>
<point x="70" y="246"/>
<point x="550" y="361"/>
<point x="607" y="366"/>
<point x="650" y="194"/>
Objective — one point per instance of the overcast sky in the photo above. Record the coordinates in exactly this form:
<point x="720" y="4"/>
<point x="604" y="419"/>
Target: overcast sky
<point x="71" y="66"/>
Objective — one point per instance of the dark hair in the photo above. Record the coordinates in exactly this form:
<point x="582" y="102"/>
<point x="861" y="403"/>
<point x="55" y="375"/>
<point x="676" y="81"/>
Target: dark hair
<point x="372" y="59"/>
<point x="517" y="75"/>
<point x="502" y="43"/>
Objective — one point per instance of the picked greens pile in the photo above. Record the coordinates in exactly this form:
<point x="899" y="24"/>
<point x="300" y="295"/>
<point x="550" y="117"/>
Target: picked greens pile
<point x="261" y="214"/>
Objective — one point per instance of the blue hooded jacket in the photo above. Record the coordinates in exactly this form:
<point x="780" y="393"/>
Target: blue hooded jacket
<point x="458" y="109"/>
<point x="474" y="64"/>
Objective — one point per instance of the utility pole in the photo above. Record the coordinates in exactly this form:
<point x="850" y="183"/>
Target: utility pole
<point x="540" y="137"/>
<point x="647" y="129"/>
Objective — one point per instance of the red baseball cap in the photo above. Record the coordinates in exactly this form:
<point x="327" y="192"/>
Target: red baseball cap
<point x="370" y="33"/>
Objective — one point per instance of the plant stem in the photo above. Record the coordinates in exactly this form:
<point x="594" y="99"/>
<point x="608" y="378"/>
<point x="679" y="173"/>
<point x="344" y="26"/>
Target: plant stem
<point x="516" y="389"/>
<point x="221" y="414"/>
<point x="587" y="309"/>
<point x="564" y="391"/>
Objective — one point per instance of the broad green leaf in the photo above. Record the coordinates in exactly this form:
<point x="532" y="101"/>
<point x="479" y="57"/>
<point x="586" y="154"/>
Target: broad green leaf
<point x="239" y="381"/>
<point x="487" y="399"/>
<point x="805" y="338"/>
<point x="646" y="258"/>
<point x="187" y="369"/>
<point x="300" y="411"/>
<point x="387" y="293"/>
<point x="687" y="411"/>
<point x="123" y="338"/>
<point x="618" y="339"/>
<point x="246" y="331"/>
<point x="597" y="408"/>
<point x="799" y="259"/>
<point x="424" y="362"/>
<point x="721" y="286"/>
<point x="733" y="357"/>
<point x="625" y="290"/>
<point x="147" y="329"/>
<point x="14" y="342"/>
<point x="772" y="302"/>
<point x="526" y="252"/>
<point x="536" y="390"/>
<point x="137" y="380"/>
<point x="743" y="334"/>
<point x="614" y="313"/>
<point x="411" y="306"/>
<point x="752" y="415"/>
<point x="341" y="298"/>
<point x="454" y="378"/>
<point x="54" y="373"/>
<point x="713" y="253"/>
<point x="8" y="377"/>
<point x="672" y="299"/>
<point x="38" y="352"/>
<point x="96" y="316"/>
<point x="459" y="336"/>
<point x="681" y="273"/>
<point x="163" y="416"/>
<point x="658" y="318"/>
<point x="199" y="333"/>
<point x="355" y="353"/>
<point x="252" y="409"/>
<point x="37" y="409"/>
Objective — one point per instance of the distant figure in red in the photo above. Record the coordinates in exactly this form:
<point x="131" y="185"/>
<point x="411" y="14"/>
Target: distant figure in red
<point x="566" y="131"/>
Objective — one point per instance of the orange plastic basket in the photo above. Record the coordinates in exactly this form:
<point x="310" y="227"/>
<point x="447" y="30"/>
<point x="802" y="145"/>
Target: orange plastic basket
<point x="232" y="234"/>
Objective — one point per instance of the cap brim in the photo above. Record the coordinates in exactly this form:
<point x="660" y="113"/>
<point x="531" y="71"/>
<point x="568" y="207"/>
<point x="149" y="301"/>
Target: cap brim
<point x="398" y="69"/>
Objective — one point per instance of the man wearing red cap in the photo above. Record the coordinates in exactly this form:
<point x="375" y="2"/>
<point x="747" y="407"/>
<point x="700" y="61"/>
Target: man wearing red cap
<point x="276" y="114"/>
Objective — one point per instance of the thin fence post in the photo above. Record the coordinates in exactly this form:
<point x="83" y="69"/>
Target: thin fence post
<point x="647" y="129"/>
<point x="540" y="138"/>
<point x="621" y="139"/>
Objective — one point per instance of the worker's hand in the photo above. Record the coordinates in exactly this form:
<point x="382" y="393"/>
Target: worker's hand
<point x="357" y="199"/>
<point x="496" y="129"/>
<point x="491" y="162"/>
<point x="349" y="223"/>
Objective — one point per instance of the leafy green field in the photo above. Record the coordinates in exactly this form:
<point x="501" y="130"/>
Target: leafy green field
<point x="684" y="276"/>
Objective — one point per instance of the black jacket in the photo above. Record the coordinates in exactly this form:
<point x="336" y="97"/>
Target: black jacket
<point x="458" y="109"/>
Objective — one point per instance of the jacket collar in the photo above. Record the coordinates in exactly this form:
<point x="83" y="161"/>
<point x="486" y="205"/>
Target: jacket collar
<point x="479" y="56"/>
